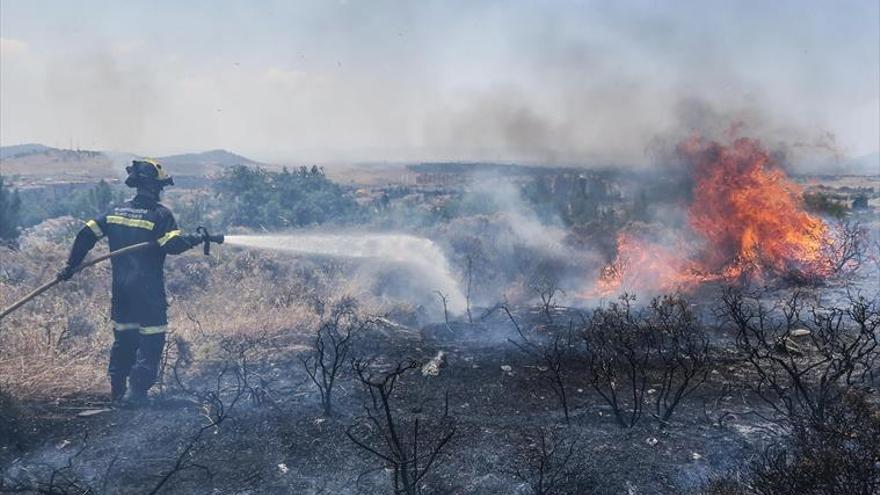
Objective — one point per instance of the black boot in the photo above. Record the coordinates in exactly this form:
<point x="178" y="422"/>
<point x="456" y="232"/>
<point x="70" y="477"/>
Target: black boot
<point x="117" y="388"/>
<point x="136" y="398"/>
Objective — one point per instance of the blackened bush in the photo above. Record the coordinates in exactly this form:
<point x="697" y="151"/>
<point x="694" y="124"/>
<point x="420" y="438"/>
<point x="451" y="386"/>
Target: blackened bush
<point x="408" y="443"/>
<point x="681" y="350"/>
<point x="550" y="464"/>
<point x="332" y="343"/>
<point x="552" y="357"/>
<point x="806" y="358"/>
<point x="849" y="248"/>
<point x="618" y="353"/>
<point x="629" y="350"/>
<point x="839" y="456"/>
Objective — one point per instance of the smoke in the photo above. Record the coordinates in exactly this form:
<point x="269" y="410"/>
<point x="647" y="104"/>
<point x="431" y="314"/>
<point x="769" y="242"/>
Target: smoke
<point x="513" y="249"/>
<point x="795" y="147"/>
<point x="586" y="84"/>
<point x="108" y="92"/>
<point x="428" y="269"/>
<point x="526" y="227"/>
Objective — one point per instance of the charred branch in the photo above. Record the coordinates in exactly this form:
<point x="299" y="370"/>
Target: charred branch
<point x="548" y="464"/>
<point x="834" y="355"/>
<point x="629" y="350"/>
<point x="682" y="353"/>
<point x="409" y="445"/>
<point x="551" y="358"/>
<point x="61" y="480"/>
<point x="618" y="354"/>
<point x="230" y="387"/>
<point x="838" y="456"/>
<point x="847" y="250"/>
<point x="332" y="345"/>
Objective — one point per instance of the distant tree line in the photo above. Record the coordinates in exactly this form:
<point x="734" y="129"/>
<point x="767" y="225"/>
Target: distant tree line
<point x="241" y="196"/>
<point x="825" y="204"/>
<point x="83" y="204"/>
<point x="10" y="213"/>
<point x="255" y="197"/>
<point x="17" y="212"/>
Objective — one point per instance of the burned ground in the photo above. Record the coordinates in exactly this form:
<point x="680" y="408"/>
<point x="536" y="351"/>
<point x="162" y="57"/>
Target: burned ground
<point x="276" y="440"/>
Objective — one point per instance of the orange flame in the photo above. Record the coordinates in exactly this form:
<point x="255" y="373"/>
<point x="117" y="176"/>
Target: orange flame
<point x="748" y="217"/>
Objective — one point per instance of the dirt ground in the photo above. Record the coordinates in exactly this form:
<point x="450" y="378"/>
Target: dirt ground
<point x="282" y="444"/>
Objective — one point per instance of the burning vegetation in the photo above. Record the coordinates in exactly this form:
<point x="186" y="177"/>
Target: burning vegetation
<point x="746" y="221"/>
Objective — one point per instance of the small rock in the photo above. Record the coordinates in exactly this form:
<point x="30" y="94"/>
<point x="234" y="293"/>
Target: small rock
<point x="283" y="468"/>
<point x="92" y="412"/>
<point x="432" y="367"/>
<point x="651" y="391"/>
<point x="652" y="441"/>
<point x="62" y="444"/>
<point x="696" y="456"/>
<point x="799" y="332"/>
<point x="506" y="368"/>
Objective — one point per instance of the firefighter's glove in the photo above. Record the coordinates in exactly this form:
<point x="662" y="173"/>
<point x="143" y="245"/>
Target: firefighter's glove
<point x="193" y="239"/>
<point x="67" y="273"/>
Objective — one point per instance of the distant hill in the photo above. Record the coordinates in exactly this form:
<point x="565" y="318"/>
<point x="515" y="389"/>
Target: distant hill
<point x="205" y="163"/>
<point x="18" y="150"/>
<point x="37" y="160"/>
<point x="464" y="168"/>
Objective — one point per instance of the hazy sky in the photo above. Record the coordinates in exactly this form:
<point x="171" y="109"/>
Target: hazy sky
<point x="542" y="81"/>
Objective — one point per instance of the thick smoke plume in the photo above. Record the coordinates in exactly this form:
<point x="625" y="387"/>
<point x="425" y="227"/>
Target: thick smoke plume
<point x="580" y="83"/>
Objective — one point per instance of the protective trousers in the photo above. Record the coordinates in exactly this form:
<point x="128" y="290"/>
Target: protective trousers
<point x="134" y="358"/>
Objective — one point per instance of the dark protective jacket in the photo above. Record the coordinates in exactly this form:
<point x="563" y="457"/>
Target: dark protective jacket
<point x="138" y="277"/>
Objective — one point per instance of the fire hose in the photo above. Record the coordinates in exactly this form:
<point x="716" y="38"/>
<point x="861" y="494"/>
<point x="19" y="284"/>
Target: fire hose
<point x="206" y="240"/>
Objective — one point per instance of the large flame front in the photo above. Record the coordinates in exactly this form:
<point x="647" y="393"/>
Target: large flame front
<point x="747" y="220"/>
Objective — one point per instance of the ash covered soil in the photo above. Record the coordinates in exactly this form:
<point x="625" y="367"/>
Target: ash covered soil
<point x="276" y="440"/>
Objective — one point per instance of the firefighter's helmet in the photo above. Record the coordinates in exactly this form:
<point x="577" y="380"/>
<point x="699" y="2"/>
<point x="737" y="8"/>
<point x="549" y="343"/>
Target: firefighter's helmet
<point x="147" y="173"/>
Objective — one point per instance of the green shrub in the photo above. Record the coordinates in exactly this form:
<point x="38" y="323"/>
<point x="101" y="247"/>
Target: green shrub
<point x="254" y="197"/>
<point x="10" y="214"/>
<point x="82" y="204"/>
<point x="825" y="204"/>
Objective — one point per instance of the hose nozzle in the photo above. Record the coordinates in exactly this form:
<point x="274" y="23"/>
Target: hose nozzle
<point x="207" y="239"/>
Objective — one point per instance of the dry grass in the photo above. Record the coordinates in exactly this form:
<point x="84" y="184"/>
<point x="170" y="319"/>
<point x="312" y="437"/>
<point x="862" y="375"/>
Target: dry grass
<point x="58" y="344"/>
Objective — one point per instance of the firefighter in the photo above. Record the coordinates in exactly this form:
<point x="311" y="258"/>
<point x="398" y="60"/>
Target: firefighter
<point x="138" y="304"/>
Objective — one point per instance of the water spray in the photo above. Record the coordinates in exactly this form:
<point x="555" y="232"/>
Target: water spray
<point x="417" y="252"/>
